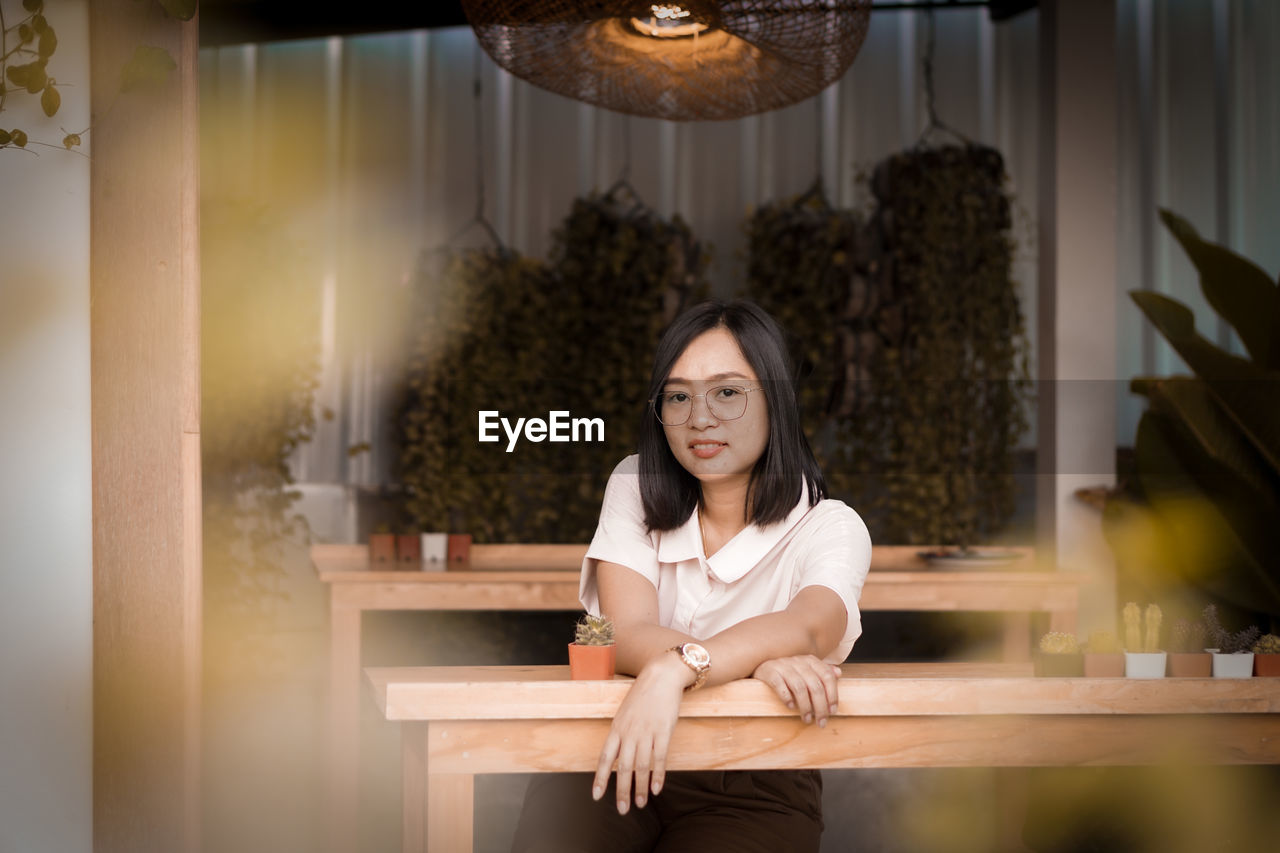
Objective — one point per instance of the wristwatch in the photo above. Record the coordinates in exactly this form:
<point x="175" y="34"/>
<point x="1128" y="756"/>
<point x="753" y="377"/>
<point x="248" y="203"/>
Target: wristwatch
<point x="697" y="659"/>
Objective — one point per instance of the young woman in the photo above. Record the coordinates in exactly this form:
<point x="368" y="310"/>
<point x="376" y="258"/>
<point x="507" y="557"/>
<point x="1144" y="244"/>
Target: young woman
<point x="718" y="558"/>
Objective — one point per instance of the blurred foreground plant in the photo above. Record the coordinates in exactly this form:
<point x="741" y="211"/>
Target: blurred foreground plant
<point x="259" y="360"/>
<point x="1202" y="507"/>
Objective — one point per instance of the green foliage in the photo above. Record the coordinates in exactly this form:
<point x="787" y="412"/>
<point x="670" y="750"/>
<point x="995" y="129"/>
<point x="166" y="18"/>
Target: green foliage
<point x="499" y="332"/>
<point x="1207" y="451"/>
<point x="809" y="267"/>
<point x="259" y="359"/>
<point x="911" y="327"/>
<point x="27" y="46"/>
<point x="25" y="50"/>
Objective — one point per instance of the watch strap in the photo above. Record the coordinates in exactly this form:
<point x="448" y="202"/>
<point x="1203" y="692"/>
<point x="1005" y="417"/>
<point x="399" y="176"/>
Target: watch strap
<point x="700" y="671"/>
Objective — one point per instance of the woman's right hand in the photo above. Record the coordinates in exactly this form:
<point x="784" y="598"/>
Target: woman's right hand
<point x="641" y="732"/>
<point x="805" y="683"/>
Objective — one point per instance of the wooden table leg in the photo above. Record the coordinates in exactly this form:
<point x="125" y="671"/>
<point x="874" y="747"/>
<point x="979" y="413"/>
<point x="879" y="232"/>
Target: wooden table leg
<point x="451" y="818"/>
<point x="344" y="725"/>
<point x="1017" y="637"/>
<point x="438" y="810"/>
<point x="413" y="781"/>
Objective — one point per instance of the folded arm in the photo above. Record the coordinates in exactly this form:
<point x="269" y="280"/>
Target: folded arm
<point x="784" y="649"/>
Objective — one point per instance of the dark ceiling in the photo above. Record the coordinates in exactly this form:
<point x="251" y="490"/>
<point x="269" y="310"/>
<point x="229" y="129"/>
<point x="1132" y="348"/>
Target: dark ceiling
<point x="238" y="21"/>
<point x="225" y="22"/>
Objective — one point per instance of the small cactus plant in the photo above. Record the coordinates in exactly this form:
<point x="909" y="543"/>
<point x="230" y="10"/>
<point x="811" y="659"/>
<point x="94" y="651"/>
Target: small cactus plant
<point x="1151" y="636"/>
<point x="1136" y="639"/>
<point x="1268" y="644"/>
<point x="1059" y="643"/>
<point x="1102" y="643"/>
<point x="1132" y="627"/>
<point x="1187" y="637"/>
<point x="1226" y="642"/>
<point x="594" y="631"/>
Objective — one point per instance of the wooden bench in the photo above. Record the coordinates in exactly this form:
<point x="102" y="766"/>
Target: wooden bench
<point x="457" y="722"/>
<point x="545" y="577"/>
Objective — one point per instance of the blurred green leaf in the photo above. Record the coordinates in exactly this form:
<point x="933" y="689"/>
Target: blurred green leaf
<point x="1247" y="393"/>
<point x="50" y="100"/>
<point x="1238" y="289"/>
<point x="48" y="43"/>
<point x="148" y="69"/>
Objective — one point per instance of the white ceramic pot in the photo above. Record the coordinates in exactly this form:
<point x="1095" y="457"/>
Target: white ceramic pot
<point x="1144" y="664"/>
<point x="1238" y="665"/>
<point x="435" y="552"/>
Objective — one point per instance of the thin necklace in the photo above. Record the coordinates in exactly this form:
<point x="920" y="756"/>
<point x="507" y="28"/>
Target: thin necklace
<point x="702" y="531"/>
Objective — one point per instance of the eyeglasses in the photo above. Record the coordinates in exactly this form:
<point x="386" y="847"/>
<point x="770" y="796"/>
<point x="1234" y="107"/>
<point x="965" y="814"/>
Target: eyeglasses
<point x="725" y="403"/>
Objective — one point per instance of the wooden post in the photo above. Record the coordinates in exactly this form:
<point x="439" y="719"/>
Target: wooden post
<point x="145" y="374"/>
<point x="1077" y="305"/>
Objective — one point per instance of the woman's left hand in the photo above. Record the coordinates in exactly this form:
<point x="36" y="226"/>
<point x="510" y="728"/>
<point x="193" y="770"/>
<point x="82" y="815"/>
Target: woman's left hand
<point x="806" y="683"/>
<point x="641" y="732"/>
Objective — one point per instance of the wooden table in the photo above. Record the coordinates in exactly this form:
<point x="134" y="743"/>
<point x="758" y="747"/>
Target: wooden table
<point x="461" y="721"/>
<point x="545" y="577"/>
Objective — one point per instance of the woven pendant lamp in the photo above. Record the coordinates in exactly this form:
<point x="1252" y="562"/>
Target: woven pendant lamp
<point x="696" y="60"/>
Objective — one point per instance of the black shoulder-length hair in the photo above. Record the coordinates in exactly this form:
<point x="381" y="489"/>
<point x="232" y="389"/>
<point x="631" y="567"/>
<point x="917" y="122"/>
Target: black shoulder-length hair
<point x="670" y="493"/>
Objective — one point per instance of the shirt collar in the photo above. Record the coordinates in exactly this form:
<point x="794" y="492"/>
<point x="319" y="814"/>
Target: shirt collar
<point x="740" y="554"/>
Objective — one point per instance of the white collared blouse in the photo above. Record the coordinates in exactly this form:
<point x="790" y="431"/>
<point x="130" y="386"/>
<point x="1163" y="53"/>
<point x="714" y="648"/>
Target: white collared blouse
<point x="757" y="571"/>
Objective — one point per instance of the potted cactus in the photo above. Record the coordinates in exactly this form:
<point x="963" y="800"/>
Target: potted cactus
<point x="1059" y="655"/>
<point x="592" y="654"/>
<point x="1266" y="656"/>
<point x="1232" y="657"/>
<point x="1142" y="655"/>
<point x="1102" y="657"/>
<point x="1187" y="657"/>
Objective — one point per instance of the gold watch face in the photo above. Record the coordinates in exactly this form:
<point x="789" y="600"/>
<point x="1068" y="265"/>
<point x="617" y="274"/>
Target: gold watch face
<point x="696" y="655"/>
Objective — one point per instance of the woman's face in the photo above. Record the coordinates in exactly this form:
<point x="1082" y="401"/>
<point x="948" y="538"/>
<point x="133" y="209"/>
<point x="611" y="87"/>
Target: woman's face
<point x="711" y="448"/>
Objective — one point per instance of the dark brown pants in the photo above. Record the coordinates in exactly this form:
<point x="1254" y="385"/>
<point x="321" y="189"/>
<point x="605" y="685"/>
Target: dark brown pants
<point x="769" y="811"/>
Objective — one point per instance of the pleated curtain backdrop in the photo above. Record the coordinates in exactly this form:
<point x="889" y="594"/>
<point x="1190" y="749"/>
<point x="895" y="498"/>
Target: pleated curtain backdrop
<point x="363" y="151"/>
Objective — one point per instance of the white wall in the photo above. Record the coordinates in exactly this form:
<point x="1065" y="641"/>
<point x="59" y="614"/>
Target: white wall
<point x="46" y="572"/>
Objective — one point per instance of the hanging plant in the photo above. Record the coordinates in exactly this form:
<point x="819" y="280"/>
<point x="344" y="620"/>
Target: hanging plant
<point x="911" y="341"/>
<point x="812" y="267"/>
<point x="523" y="337"/>
<point x="952" y="389"/>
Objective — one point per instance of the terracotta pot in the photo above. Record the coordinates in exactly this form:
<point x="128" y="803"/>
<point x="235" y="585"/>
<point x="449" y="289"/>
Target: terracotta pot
<point x="1239" y="665"/>
<point x="592" y="663"/>
<point x="409" y="548"/>
<point x="1144" y="664"/>
<point x="382" y="548"/>
<point x="1266" y="666"/>
<point x="1103" y="665"/>
<point x="1190" y="664"/>
<point x="459" y="547"/>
